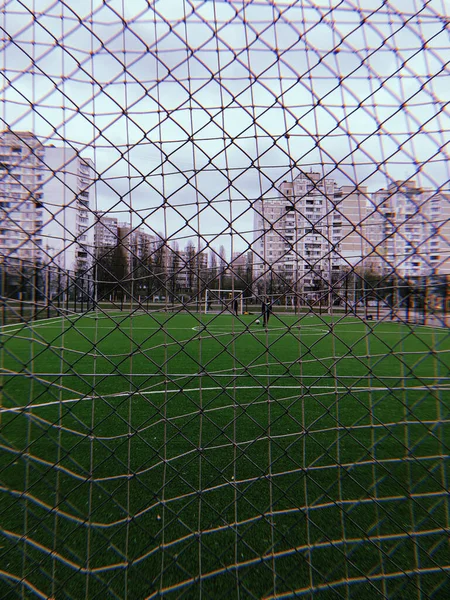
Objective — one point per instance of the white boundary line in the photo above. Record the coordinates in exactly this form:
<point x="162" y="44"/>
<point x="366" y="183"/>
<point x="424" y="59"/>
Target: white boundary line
<point x="12" y="328"/>
<point x="32" y="324"/>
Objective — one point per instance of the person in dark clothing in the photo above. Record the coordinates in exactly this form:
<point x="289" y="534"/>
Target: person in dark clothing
<point x="236" y="306"/>
<point x="266" y="310"/>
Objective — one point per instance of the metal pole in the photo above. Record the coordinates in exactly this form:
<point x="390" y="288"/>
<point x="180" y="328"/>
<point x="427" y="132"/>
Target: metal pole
<point x="3" y="293"/>
<point x="74" y="294"/>
<point x="446" y="299"/>
<point x="346" y="292"/>
<point x="35" y="291"/>
<point x="408" y="301"/>
<point x="22" y="283"/>
<point x="47" y="290"/>
<point x="58" y="295"/>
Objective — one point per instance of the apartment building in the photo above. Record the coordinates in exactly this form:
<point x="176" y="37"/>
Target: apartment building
<point x="410" y="230"/>
<point x="68" y="204"/>
<point x="106" y="231"/>
<point x="138" y="244"/>
<point x="308" y="230"/>
<point x="239" y="262"/>
<point x="188" y="269"/>
<point x="21" y="207"/>
<point x="46" y="201"/>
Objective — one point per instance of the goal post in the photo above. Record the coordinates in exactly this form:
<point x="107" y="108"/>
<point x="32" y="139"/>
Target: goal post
<point x="224" y="300"/>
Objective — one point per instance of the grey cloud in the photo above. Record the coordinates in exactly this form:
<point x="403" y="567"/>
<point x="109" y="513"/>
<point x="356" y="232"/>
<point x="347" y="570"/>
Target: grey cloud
<point x="374" y="108"/>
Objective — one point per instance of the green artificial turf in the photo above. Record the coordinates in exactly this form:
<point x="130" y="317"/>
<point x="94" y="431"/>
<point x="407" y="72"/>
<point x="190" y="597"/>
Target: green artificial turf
<point x="187" y="456"/>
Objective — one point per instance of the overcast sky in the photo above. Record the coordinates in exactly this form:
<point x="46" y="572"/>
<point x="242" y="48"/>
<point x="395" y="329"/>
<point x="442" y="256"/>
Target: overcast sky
<point x="194" y="109"/>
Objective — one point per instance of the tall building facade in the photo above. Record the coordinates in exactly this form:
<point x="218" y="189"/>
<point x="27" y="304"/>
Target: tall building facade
<point x="187" y="268"/>
<point x="411" y="230"/>
<point x="68" y="204"/>
<point x="134" y="248"/>
<point x="138" y="243"/>
<point x="106" y="231"/>
<point x="307" y="231"/>
<point x="46" y="202"/>
<point x="22" y="173"/>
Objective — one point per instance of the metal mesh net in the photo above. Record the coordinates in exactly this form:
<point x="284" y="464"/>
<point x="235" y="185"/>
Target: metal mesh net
<point x="224" y="299"/>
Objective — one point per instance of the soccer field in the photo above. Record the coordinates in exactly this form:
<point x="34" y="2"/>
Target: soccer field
<point x="190" y="455"/>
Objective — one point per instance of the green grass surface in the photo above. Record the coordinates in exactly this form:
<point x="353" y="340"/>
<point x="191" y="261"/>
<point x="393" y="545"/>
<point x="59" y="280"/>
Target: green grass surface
<point x="190" y="456"/>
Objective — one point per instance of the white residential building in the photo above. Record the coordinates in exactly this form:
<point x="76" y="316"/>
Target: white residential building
<point x="138" y="243"/>
<point x="46" y="199"/>
<point x="106" y="231"/>
<point x="68" y="204"/>
<point x="411" y="230"/>
<point x="21" y="213"/>
<point x="188" y="268"/>
<point x="138" y="246"/>
<point x="309" y="230"/>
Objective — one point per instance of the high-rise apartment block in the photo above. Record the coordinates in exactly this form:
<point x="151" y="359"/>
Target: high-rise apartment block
<point x="410" y="230"/>
<point x="309" y="230"/>
<point x="68" y="203"/>
<point x="187" y="268"/>
<point x="21" y="209"/>
<point x="46" y="200"/>
<point x="106" y="231"/>
<point x="137" y="246"/>
<point x="138" y="243"/>
<point x="312" y="229"/>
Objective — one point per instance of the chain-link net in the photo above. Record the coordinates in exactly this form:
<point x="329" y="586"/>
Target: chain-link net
<point x="224" y="299"/>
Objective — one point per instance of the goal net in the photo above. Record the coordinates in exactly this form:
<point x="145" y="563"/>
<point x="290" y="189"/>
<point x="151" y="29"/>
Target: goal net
<point x="232" y="301"/>
<point x="224" y="299"/>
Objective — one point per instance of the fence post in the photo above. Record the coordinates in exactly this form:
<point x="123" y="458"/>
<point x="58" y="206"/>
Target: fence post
<point x="58" y="295"/>
<point x="408" y="302"/>
<point x="35" y="292"/>
<point x="22" y="283"/>
<point x="47" y="290"/>
<point x="425" y="302"/>
<point x="3" y="293"/>
<point x="446" y="300"/>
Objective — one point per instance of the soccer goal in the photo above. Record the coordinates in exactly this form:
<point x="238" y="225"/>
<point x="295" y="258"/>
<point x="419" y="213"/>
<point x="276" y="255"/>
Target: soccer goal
<point x="224" y="301"/>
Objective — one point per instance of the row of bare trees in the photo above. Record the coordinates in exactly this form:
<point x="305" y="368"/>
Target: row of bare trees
<point x="167" y="273"/>
<point x="163" y="271"/>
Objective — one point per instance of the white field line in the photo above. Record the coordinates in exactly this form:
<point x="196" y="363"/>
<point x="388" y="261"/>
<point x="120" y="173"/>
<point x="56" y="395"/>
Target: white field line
<point x="30" y="324"/>
<point x="301" y="390"/>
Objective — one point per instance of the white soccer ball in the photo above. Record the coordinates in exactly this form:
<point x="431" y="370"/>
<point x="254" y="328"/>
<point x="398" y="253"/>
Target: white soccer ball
<point x="257" y="321"/>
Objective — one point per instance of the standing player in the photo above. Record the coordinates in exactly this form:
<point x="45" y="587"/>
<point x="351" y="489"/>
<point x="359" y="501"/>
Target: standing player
<point x="266" y="310"/>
